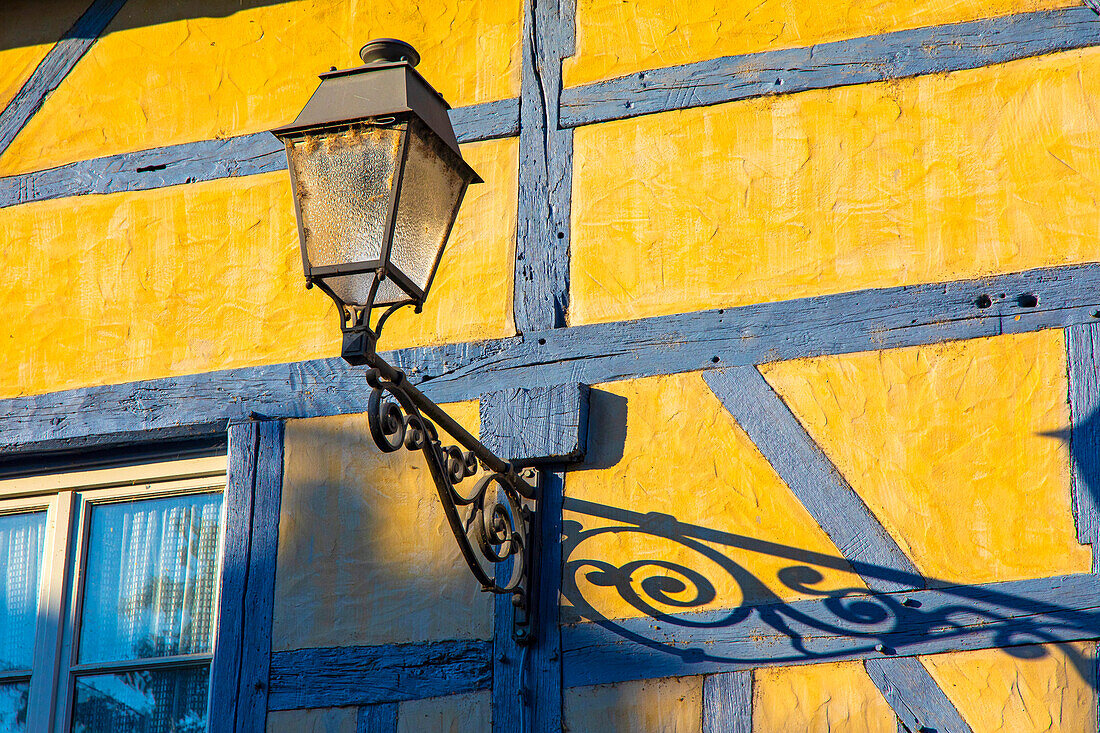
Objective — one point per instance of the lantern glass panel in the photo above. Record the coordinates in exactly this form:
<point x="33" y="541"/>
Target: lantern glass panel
<point x="432" y="186"/>
<point x="344" y="181"/>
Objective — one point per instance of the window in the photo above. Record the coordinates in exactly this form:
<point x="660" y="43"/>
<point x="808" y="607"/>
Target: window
<point x="108" y="598"/>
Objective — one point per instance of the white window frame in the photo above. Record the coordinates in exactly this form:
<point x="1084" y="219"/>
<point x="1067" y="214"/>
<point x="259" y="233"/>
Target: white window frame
<point x="68" y="498"/>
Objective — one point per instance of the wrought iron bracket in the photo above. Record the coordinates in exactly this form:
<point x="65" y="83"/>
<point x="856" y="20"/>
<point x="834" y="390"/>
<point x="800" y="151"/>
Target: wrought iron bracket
<point x="492" y="523"/>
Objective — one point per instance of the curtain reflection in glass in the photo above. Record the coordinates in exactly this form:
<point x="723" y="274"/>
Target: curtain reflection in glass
<point x="22" y="538"/>
<point x="13" y="706"/>
<point x="145" y="701"/>
<point x="151" y="578"/>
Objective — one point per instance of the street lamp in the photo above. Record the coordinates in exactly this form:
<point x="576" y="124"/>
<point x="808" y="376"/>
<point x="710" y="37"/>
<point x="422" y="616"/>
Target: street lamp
<point x="377" y="178"/>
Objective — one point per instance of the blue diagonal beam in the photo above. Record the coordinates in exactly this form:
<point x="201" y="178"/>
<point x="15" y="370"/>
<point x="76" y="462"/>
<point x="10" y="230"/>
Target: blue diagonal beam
<point x="57" y="64"/>
<point x="809" y="473"/>
<point x="905" y="683"/>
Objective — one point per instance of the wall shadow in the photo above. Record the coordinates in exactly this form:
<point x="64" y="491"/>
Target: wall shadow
<point x="40" y="21"/>
<point x="833" y="624"/>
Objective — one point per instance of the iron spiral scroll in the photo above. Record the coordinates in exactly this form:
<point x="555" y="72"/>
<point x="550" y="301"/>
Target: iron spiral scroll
<point x="497" y="520"/>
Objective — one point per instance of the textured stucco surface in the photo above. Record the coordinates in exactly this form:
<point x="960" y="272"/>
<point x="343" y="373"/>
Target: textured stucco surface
<point x="669" y="705"/>
<point x="26" y="36"/>
<point x="1034" y="689"/>
<point x="682" y="456"/>
<point x="165" y="73"/>
<point x="836" y="697"/>
<point x="615" y="38"/>
<point x="951" y="447"/>
<point x="208" y="276"/>
<point x="318" y="720"/>
<point x="927" y="179"/>
<point x="452" y="714"/>
<point x="365" y="552"/>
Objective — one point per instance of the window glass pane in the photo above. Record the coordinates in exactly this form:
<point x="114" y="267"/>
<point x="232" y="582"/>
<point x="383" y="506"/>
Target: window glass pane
<point x="150" y="582"/>
<point x="145" y="701"/>
<point x="22" y="539"/>
<point x="13" y="706"/>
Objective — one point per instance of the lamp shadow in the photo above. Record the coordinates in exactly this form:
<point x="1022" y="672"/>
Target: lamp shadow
<point x="841" y="624"/>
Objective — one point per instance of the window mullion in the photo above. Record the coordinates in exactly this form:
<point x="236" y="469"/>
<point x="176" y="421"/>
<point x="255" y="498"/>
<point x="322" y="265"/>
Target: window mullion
<point x="42" y="697"/>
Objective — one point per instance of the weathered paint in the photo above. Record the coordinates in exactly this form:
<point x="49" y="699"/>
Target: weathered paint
<point x="833" y="190"/>
<point x="208" y="276"/>
<point x="321" y="677"/>
<point x="1032" y="689"/>
<point x="616" y="38"/>
<point x="159" y="77"/>
<point x="365" y="552"/>
<point x="954" y="448"/>
<point x="821" y="698"/>
<point x="26" y="36"/>
<point x="669" y="705"/>
<point x="451" y="714"/>
<point x="318" y="720"/>
<point x="681" y="455"/>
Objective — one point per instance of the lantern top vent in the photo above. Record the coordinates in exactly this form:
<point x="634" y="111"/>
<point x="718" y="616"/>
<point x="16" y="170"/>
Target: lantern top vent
<point x="386" y="85"/>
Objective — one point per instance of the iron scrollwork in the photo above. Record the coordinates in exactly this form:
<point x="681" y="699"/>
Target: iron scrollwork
<point x="497" y="519"/>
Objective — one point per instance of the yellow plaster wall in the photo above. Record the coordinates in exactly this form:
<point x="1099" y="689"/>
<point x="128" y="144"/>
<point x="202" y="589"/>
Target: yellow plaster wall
<point x="1038" y="689"/>
<point x="317" y="720"/>
<point x="669" y="705"/>
<point x="616" y="38"/>
<point x="836" y="697"/>
<point x="26" y="36"/>
<point x="920" y="180"/>
<point x="452" y="714"/>
<point x="950" y="446"/>
<point x="682" y="456"/>
<point x="365" y="553"/>
<point x="164" y="73"/>
<point x="208" y="276"/>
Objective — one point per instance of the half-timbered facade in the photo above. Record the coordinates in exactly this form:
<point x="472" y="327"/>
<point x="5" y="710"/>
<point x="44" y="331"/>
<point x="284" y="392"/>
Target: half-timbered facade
<point x="827" y="272"/>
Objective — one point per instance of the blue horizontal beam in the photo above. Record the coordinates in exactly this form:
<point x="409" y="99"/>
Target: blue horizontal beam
<point x="1004" y="615"/>
<point x="833" y="628"/>
<point x="207" y="160"/>
<point x="864" y="320"/>
<point x="864" y="60"/>
<point x="856" y="61"/>
<point x="365" y="675"/>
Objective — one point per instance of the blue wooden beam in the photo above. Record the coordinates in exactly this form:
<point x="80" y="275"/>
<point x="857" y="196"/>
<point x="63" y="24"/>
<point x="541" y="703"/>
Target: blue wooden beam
<point x="207" y="160"/>
<point x="810" y="475"/>
<point x="914" y="696"/>
<point x="225" y="670"/>
<point x="835" y="628"/>
<point x="545" y="664"/>
<point x="379" y="718"/>
<point x="840" y="512"/>
<point x="536" y="425"/>
<point x="831" y="324"/>
<point x="541" y="286"/>
<point x="727" y="702"/>
<point x="1083" y="358"/>
<point x="53" y="69"/>
<point x="367" y="675"/>
<point x="239" y="672"/>
<point x="864" y="60"/>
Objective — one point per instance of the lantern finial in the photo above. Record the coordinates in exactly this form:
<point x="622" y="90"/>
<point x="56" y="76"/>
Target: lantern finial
<point x="388" y="51"/>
